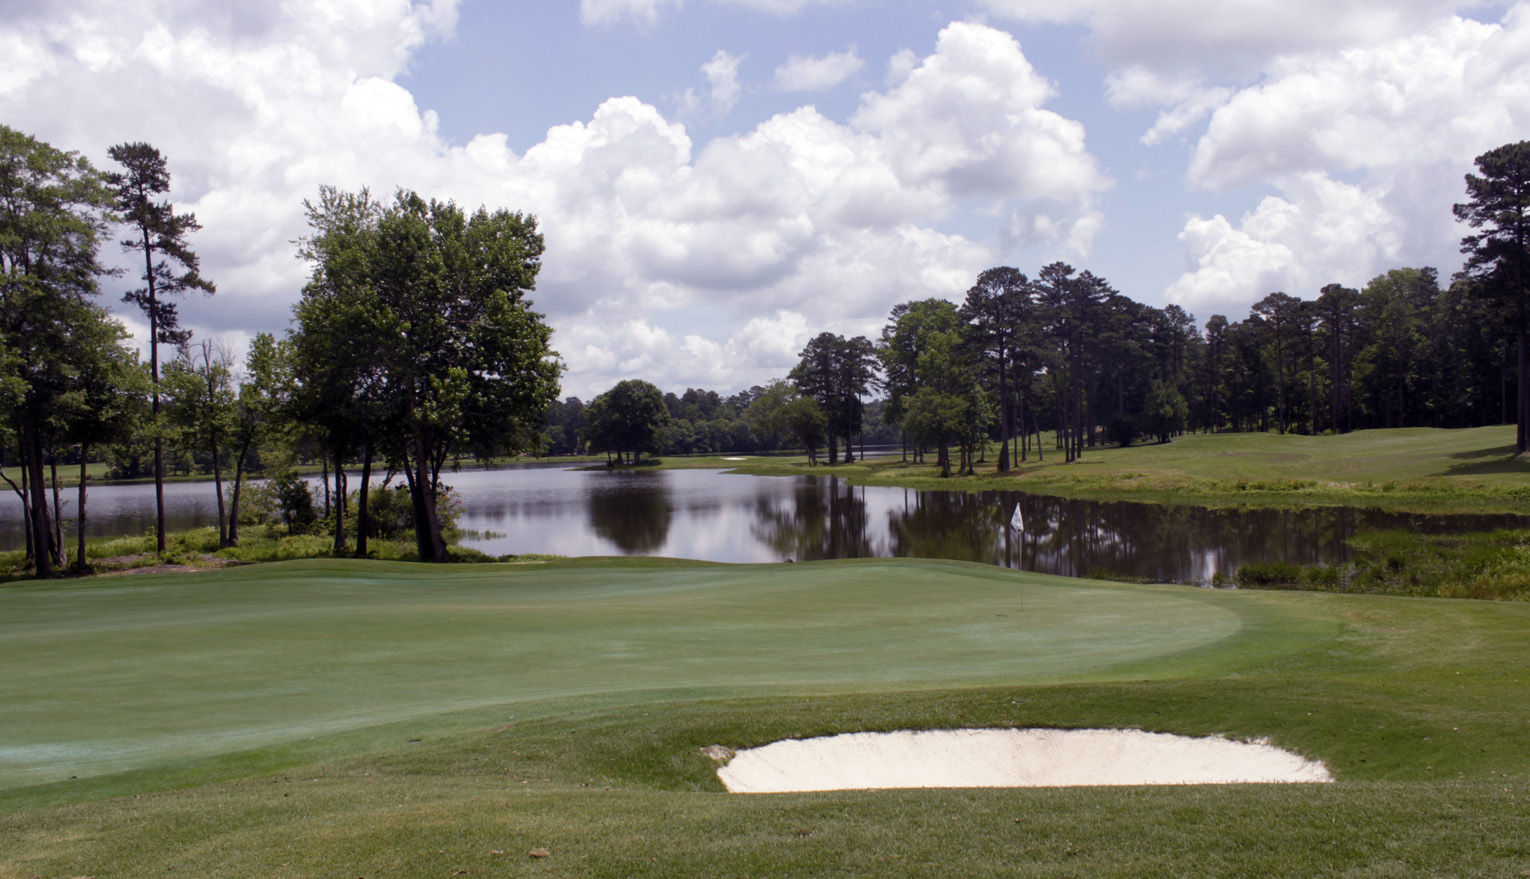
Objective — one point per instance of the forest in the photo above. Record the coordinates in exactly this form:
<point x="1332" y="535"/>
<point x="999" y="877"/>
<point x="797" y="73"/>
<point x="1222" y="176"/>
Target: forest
<point x="414" y="345"/>
<point x="1066" y="358"/>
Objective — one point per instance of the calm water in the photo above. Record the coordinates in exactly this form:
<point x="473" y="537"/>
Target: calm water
<point x="705" y="514"/>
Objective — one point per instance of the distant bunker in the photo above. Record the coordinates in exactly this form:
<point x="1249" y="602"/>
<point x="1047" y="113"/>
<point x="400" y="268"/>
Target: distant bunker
<point x="1007" y="758"/>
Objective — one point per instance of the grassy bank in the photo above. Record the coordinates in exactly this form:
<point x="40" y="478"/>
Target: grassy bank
<point x="1415" y="469"/>
<point x="345" y="718"/>
<point x="196" y="549"/>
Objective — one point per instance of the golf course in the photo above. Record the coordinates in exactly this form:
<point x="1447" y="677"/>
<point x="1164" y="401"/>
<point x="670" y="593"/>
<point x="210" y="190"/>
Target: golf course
<point x="363" y="718"/>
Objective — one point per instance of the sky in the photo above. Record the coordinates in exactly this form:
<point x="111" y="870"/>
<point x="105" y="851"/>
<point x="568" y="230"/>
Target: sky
<point x="718" y="181"/>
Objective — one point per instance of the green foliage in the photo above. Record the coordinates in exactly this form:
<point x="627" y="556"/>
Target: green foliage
<point x="63" y="354"/>
<point x="780" y="409"/>
<point x="416" y="337"/>
<point x="628" y="419"/>
<point x="293" y="502"/>
<point x="836" y="372"/>
<point x="1164" y="412"/>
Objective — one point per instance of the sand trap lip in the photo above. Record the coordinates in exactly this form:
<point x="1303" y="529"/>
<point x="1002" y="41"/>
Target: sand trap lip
<point x="1009" y="758"/>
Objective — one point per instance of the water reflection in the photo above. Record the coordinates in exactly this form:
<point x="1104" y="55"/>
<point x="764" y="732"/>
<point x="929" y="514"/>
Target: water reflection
<point x="631" y="511"/>
<point x="708" y="515"/>
<point x="826" y="519"/>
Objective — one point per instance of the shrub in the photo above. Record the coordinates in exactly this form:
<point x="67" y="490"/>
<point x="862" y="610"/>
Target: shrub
<point x="294" y="502"/>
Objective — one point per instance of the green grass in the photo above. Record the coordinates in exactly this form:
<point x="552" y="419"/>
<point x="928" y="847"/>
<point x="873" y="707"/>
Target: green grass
<point x="1490" y="565"/>
<point x="1413" y="469"/>
<point x="341" y="718"/>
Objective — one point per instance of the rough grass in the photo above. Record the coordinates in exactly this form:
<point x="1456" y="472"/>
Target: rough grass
<point x="1415" y="469"/>
<point x="197" y="549"/>
<point x="1417" y="706"/>
<point x="1490" y="565"/>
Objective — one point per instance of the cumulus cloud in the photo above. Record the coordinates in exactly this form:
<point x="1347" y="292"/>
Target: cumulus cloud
<point x="613" y="350"/>
<point x="1186" y="97"/>
<point x="1227" y="34"/>
<point x="1398" y="121"/>
<point x="1450" y="91"/>
<point x="971" y="120"/>
<point x="687" y="263"/>
<point x="806" y="74"/>
<point x="723" y="92"/>
<point x="1317" y="231"/>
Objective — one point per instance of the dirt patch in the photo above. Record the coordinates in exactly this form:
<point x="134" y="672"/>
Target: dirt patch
<point x="123" y="565"/>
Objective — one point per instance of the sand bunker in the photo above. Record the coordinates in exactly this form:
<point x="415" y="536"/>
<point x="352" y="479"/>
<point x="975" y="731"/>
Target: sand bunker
<point x="1009" y="758"/>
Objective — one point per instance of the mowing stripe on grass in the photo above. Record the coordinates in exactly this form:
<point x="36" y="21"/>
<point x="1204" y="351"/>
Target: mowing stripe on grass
<point x="138" y="672"/>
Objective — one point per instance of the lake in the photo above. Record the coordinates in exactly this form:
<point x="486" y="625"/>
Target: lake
<point x="708" y="514"/>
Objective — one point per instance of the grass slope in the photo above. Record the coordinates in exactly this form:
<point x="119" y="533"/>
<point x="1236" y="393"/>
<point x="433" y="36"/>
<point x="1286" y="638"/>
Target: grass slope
<point x="340" y="718"/>
<point x="1417" y="469"/>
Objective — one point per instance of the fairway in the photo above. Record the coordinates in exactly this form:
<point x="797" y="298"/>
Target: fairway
<point x="130" y="673"/>
<point x="332" y="718"/>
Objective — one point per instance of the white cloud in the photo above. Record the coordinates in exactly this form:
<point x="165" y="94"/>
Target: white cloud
<point x="970" y="120"/>
<point x="1447" y="93"/>
<point x="1228" y="34"/>
<point x="605" y="13"/>
<point x="900" y="65"/>
<point x="1318" y="231"/>
<point x="1186" y="97"/>
<point x="614" y="350"/>
<point x="687" y="264"/>
<point x="805" y="74"/>
<point x="723" y="88"/>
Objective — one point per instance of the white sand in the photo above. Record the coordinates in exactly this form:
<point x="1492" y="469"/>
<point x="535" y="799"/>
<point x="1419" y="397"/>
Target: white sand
<point x="1009" y="758"/>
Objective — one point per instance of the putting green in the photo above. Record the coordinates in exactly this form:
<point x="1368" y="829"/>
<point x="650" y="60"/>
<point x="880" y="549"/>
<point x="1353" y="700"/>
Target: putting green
<point x="134" y="672"/>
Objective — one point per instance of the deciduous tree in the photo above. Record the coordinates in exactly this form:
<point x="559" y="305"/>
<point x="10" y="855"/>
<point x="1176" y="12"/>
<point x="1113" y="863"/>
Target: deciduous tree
<point x="52" y="215"/>
<point x="628" y="419"/>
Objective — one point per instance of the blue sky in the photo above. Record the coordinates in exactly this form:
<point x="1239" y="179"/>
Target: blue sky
<point x="718" y="180"/>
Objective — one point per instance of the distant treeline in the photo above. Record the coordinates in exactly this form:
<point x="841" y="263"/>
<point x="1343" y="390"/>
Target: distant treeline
<point x="1066" y="355"/>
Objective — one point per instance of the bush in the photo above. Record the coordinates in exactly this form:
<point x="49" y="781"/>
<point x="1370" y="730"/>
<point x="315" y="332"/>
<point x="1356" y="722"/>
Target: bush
<point x="1122" y="430"/>
<point x="1269" y="575"/>
<point x="1282" y="575"/>
<point x="390" y="512"/>
<point x="294" y="502"/>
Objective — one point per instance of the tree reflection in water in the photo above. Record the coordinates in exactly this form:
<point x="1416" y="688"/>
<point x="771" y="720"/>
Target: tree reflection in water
<point x="826" y="519"/>
<point x="1151" y="542"/>
<point x="732" y="518"/>
<point x="632" y="511"/>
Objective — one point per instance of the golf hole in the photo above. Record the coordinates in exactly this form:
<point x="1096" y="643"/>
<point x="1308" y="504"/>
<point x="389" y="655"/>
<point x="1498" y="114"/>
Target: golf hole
<point x="1007" y="758"/>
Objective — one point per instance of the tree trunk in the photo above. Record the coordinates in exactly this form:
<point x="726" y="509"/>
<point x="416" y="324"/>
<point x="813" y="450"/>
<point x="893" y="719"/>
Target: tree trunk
<point x="427" y="527"/>
<point x="363" y="520"/>
<point x="324" y="477"/>
<point x="339" y="547"/>
<point x="1523" y="391"/>
<point x="41" y="529"/>
<point x="79" y="518"/>
<point x="60" y="554"/>
<point x="233" y="507"/>
<point x="159" y="441"/>
<point x="26" y="507"/>
<point x="218" y="490"/>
